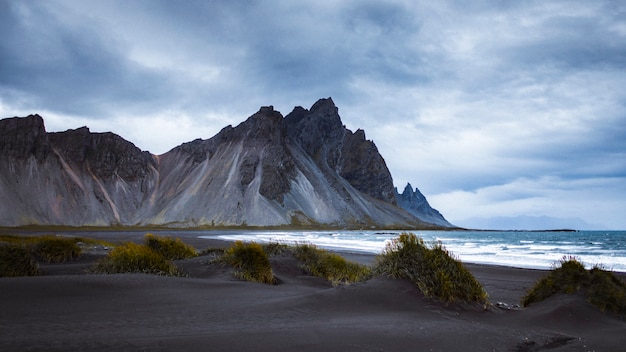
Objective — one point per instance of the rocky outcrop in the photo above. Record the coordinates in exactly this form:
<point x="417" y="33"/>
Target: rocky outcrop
<point x="333" y="147"/>
<point x="306" y="169"/>
<point x="415" y="203"/>
<point x="106" y="155"/>
<point x="23" y="137"/>
<point x="72" y="178"/>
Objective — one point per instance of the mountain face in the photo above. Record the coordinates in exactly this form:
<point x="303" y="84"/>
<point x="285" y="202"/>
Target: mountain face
<point x="304" y="169"/>
<point x="415" y="203"/>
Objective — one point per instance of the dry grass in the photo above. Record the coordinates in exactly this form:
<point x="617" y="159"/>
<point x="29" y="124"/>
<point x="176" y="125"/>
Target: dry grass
<point x="601" y="287"/>
<point x="432" y="268"/>
<point x="250" y="261"/>
<point x="135" y="258"/>
<point x="16" y="260"/>
<point x="332" y="267"/>
<point x="170" y="248"/>
<point x="53" y="249"/>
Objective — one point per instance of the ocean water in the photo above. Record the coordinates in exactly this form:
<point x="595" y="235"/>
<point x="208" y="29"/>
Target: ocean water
<point x="535" y="250"/>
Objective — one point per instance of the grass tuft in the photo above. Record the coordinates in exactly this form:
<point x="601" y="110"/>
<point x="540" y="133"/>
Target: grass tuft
<point x="276" y="248"/>
<point x="601" y="287"/>
<point x="432" y="268"/>
<point x="16" y="260"/>
<point x="332" y="267"/>
<point x="135" y="258"/>
<point x="170" y="248"/>
<point x="53" y="249"/>
<point x="251" y="262"/>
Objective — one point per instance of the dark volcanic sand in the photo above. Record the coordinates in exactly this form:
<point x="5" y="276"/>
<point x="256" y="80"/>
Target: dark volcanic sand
<point x="68" y="310"/>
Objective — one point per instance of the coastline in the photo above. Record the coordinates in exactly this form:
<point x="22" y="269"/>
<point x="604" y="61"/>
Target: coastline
<point x="66" y="309"/>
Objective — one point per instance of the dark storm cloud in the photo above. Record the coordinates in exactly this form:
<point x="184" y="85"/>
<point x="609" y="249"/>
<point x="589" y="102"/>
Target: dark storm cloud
<point x="67" y="70"/>
<point x="488" y="101"/>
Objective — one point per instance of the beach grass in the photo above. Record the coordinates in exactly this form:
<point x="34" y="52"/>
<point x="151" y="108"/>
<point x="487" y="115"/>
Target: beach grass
<point x="332" y="267"/>
<point x="250" y="261"/>
<point x="17" y="260"/>
<point x="135" y="258"/>
<point x="276" y="248"/>
<point x="601" y="287"/>
<point x="432" y="268"/>
<point x="53" y="249"/>
<point x="47" y="248"/>
<point x="170" y="248"/>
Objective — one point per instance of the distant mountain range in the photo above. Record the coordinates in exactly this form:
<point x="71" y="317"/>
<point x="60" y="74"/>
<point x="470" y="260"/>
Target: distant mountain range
<point x="302" y="170"/>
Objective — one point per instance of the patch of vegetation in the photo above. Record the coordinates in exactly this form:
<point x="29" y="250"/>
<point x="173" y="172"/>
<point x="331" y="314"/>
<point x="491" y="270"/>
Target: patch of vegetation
<point x="332" y="267"/>
<point x="16" y="260"/>
<point x="14" y="239"/>
<point x="251" y="262"/>
<point x="276" y="248"/>
<point x="213" y="251"/>
<point x="170" y="248"/>
<point x="601" y="287"/>
<point x="91" y="242"/>
<point x="135" y="258"/>
<point x="432" y="268"/>
<point x="53" y="249"/>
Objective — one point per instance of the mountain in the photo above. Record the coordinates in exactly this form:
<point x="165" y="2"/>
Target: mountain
<point x="304" y="169"/>
<point x="415" y="203"/>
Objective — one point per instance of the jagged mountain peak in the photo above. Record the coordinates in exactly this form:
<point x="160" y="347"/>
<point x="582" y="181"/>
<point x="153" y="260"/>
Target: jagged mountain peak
<point x="325" y="105"/>
<point x="267" y="123"/>
<point x="415" y="203"/>
<point x="322" y="119"/>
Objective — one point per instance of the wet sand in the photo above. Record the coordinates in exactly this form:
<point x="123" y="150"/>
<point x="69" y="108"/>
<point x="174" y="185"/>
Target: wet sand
<point x="67" y="309"/>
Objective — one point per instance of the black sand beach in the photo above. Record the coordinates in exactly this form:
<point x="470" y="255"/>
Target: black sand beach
<point x="67" y="309"/>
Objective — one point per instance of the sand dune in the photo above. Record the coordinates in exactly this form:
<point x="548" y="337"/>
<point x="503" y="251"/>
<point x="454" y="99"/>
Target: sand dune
<point x="68" y="310"/>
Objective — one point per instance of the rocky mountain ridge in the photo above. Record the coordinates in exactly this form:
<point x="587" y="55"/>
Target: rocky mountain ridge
<point x="415" y="203"/>
<point x="304" y="169"/>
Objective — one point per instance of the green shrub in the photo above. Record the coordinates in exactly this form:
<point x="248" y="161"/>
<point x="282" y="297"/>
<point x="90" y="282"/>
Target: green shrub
<point x="16" y="260"/>
<point x="170" y="248"/>
<point x="330" y="266"/>
<point x="601" y="287"/>
<point x="250" y="261"/>
<point x="135" y="258"/>
<point x="432" y="268"/>
<point x="54" y="249"/>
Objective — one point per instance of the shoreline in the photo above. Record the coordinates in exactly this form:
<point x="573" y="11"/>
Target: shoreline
<point x="67" y="309"/>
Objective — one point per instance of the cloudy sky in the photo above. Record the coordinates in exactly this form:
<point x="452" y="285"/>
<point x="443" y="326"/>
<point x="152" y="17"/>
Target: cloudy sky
<point x="492" y="109"/>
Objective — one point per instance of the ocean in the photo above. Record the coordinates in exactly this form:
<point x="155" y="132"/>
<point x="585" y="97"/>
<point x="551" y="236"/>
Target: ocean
<point x="522" y="249"/>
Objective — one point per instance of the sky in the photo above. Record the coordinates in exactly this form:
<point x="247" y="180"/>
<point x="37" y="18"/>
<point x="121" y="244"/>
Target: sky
<point x="493" y="109"/>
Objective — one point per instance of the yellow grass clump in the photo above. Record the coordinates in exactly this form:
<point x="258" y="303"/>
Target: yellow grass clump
<point x="135" y="258"/>
<point x="601" y="287"/>
<point x="332" y="267"/>
<point x="168" y="247"/>
<point x="16" y="260"/>
<point x="250" y="261"/>
<point x="432" y="268"/>
<point x="53" y="249"/>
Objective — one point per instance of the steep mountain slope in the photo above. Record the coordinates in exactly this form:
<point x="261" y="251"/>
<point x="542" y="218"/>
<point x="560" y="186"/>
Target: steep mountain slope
<point x="305" y="169"/>
<point x="69" y="178"/>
